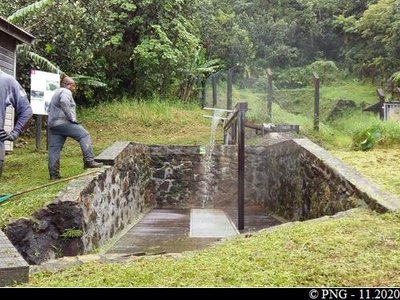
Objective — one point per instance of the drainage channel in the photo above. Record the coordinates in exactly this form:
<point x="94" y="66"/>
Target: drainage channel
<point x="179" y="230"/>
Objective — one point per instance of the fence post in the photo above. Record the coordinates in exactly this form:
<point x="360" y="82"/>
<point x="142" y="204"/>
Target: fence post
<point x="203" y="93"/>
<point x="270" y="95"/>
<point x="381" y="96"/>
<point x="38" y="130"/>
<point x="316" y="101"/>
<point x="229" y="89"/>
<point x="214" y="90"/>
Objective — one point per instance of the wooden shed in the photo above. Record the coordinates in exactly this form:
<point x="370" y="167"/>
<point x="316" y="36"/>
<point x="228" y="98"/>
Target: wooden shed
<point x="10" y="37"/>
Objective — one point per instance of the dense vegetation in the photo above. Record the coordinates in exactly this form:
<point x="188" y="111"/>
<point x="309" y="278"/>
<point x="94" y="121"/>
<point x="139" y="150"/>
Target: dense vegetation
<point x="148" y="47"/>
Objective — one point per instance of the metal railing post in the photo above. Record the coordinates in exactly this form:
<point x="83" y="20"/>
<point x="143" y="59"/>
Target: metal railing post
<point x="242" y="108"/>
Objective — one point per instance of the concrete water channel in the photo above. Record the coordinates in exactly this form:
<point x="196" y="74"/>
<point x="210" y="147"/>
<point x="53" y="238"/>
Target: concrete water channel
<point x="178" y="230"/>
<point x="291" y="180"/>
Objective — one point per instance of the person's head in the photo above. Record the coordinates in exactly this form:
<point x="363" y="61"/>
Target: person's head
<point x="68" y="83"/>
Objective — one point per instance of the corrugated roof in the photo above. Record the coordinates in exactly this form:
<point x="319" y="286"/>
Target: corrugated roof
<point x="374" y="107"/>
<point x="21" y="35"/>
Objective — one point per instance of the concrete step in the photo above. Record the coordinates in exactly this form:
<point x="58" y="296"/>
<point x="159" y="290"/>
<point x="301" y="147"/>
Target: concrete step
<point x="13" y="268"/>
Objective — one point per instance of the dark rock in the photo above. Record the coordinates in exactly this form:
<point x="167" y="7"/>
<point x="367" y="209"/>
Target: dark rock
<point x="340" y="108"/>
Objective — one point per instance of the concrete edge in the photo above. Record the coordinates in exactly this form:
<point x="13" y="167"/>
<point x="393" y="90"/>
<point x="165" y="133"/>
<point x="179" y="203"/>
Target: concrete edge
<point x="110" y="154"/>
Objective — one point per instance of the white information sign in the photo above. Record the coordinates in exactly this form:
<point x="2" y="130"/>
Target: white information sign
<point x="43" y="85"/>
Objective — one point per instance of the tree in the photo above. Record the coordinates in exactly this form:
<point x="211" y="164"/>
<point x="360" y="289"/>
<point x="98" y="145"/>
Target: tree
<point x="195" y="76"/>
<point x="374" y="40"/>
<point x="323" y="67"/>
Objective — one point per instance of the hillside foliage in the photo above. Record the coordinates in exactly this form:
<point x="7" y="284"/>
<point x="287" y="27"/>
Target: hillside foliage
<point x="150" y="47"/>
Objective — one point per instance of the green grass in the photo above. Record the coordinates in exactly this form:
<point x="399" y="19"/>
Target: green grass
<point x="360" y="249"/>
<point x="379" y="165"/>
<point x="301" y="101"/>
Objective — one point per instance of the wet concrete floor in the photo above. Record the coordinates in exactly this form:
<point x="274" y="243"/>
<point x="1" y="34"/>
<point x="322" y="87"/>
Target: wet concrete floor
<point x="168" y="231"/>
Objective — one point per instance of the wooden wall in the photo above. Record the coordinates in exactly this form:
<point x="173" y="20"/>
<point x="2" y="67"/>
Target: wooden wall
<point x="7" y="53"/>
<point x="8" y="65"/>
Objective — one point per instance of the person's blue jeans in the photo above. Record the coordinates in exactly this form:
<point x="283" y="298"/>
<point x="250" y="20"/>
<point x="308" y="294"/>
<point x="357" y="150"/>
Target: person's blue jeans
<point x="1" y="167"/>
<point x="57" y="137"/>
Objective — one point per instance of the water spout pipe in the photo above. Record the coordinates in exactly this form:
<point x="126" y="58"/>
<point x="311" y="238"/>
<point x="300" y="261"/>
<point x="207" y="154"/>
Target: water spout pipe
<point x="220" y="109"/>
<point x="212" y="117"/>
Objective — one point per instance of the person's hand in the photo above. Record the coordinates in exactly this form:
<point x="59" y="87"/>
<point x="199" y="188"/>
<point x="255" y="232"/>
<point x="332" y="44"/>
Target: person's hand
<point x="11" y="136"/>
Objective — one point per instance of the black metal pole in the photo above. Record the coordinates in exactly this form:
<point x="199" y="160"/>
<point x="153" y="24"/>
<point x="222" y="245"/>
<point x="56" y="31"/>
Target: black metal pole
<point x="242" y="108"/>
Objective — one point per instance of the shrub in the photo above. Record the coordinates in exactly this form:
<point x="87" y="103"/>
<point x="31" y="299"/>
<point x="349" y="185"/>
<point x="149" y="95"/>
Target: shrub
<point x="366" y="139"/>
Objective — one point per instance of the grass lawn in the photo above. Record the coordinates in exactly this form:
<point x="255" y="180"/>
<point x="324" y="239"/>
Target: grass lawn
<point x="360" y="249"/>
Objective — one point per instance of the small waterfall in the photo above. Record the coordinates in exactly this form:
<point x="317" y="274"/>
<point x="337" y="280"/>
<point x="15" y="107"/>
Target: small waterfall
<point x="208" y="157"/>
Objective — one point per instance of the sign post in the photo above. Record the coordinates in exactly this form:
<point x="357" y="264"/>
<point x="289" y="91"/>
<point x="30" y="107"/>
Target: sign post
<point x="43" y="85"/>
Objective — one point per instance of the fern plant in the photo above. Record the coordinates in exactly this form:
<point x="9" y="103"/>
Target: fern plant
<point x="71" y="233"/>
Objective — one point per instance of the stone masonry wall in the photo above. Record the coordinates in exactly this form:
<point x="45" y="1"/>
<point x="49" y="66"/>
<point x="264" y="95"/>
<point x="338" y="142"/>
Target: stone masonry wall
<point x="295" y="179"/>
<point x="90" y="210"/>
<point x="300" y="186"/>
<point x="177" y="176"/>
<point x="184" y="178"/>
<point x="117" y="197"/>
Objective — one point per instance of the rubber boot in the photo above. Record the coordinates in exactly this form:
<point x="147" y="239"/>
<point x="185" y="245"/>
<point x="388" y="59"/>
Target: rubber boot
<point x="92" y="164"/>
<point x="55" y="171"/>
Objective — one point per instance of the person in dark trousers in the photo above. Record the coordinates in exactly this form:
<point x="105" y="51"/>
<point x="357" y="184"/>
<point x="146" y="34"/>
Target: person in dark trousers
<point x="11" y="93"/>
<point x="62" y="123"/>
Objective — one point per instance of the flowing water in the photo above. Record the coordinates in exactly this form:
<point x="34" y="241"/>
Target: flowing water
<point x="208" y="157"/>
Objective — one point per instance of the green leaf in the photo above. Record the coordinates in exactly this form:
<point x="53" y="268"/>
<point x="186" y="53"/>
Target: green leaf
<point x="28" y="10"/>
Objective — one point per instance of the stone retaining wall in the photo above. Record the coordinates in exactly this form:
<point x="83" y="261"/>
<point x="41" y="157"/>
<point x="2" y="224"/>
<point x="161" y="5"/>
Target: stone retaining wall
<point x="295" y="179"/>
<point x="177" y="175"/>
<point x="90" y="210"/>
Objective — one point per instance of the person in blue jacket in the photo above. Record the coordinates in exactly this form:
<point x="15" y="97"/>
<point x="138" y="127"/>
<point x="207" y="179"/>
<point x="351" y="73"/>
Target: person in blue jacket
<point x="62" y="123"/>
<point x="11" y="93"/>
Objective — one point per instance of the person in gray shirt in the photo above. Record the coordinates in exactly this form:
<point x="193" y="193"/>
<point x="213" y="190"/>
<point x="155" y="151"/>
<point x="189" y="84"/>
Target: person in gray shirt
<point x="62" y="123"/>
<point x="11" y="93"/>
